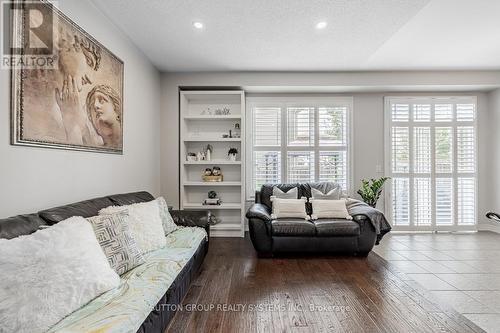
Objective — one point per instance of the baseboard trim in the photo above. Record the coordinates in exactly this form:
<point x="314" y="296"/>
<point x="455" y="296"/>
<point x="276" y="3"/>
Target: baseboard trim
<point x="489" y="227"/>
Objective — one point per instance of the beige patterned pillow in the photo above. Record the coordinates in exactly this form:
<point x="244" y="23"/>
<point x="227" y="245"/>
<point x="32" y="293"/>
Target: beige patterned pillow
<point x="113" y="234"/>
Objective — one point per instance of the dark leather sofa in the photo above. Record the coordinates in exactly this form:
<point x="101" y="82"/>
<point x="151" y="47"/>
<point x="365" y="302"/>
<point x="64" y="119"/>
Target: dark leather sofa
<point x="161" y="315"/>
<point x="291" y="235"/>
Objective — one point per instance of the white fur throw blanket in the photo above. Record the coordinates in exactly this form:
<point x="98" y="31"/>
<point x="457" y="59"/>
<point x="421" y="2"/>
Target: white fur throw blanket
<point x="49" y="274"/>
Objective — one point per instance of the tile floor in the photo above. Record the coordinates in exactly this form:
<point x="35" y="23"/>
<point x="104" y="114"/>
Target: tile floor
<point x="462" y="269"/>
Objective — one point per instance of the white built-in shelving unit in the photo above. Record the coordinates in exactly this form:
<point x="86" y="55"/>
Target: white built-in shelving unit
<point x="197" y="130"/>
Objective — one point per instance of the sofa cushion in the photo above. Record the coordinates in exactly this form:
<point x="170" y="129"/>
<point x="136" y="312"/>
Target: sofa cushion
<point x="166" y="219"/>
<point x="324" y="187"/>
<point x="290" y="194"/>
<point x="289" y="208"/>
<point x="49" y="274"/>
<point x="266" y="192"/>
<point x="329" y="209"/>
<point x="292" y="227"/>
<point x="186" y="237"/>
<point x="145" y="224"/>
<point x="125" y="308"/>
<point x="15" y="226"/>
<point x="332" y="195"/>
<point x="85" y="208"/>
<point x="116" y="240"/>
<point x="329" y="228"/>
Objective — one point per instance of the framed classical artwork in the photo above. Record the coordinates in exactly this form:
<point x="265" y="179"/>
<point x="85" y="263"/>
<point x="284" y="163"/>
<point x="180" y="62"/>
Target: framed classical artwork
<point x="73" y="100"/>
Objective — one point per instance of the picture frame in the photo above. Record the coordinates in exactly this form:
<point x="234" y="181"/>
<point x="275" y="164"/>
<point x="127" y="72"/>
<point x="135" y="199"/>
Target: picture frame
<point x="78" y="105"/>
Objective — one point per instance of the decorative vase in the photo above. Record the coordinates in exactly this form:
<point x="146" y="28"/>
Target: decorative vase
<point x="232" y="157"/>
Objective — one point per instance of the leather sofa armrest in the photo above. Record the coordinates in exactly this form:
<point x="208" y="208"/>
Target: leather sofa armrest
<point x="259" y="227"/>
<point x="192" y="218"/>
<point x="257" y="197"/>
<point x="259" y="211"/>
<point x="360" y="218"/>
<point x="367" y="237"/>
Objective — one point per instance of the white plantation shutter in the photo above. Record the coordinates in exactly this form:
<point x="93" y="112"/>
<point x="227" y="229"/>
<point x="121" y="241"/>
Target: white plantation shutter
<point x="300" y="166"/>
<point x="333" y="167"/>
<point x="443" y="112"/>
<point x="443" y="149"/>
<point x="466" y="201"/>
<point x="298" y="140"/>
<point x="444" y="201"/>
<point x="422" y="150"/>
<point x="400" y="112"/>
<point x="431" y="151"/>
<point x="332" y="123"/>
<point x="300" y="126"/>
<point x="422" y="201"/>
<point x="401" y="202"/>
<point x="267" y="167"/>
<point x="466" y="152"/>
<point x="466" y="112"/>
<point x="267" y="126"/>
<point x="421" y="112"/>
<point x="400" y="149"/>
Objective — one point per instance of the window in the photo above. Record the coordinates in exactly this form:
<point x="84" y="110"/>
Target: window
<point x="297" y="140"/>
<point x="431" y="158"/>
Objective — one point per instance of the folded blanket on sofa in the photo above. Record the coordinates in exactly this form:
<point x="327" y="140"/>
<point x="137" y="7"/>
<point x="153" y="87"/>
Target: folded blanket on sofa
<point x="376" y="217"/>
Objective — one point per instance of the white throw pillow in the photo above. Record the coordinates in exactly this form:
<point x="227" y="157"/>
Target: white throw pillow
<point x="329" y="209"/>
<point x="49" y="274"/>
<point x="283" y="208"/>
<point x="166" y="219"/>
<point x="145" y="224"/>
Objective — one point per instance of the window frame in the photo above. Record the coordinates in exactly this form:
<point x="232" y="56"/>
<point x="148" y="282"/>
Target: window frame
<point x="455" y="175"/>
<point x="284" y="102"/>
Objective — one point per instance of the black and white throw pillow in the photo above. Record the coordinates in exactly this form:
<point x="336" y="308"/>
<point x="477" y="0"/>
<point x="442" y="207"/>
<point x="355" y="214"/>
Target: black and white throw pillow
<point x="113" y="234"/>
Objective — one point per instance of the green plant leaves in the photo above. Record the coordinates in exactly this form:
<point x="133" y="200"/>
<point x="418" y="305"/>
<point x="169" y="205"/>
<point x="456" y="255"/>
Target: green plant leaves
<point x="371" y="190"/>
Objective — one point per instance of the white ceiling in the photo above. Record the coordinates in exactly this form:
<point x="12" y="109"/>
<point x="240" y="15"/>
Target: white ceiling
<point x="279" y="35"/>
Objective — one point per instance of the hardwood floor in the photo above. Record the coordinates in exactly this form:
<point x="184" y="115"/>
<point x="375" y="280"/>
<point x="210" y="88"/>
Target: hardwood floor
<point x="238" y="292"/>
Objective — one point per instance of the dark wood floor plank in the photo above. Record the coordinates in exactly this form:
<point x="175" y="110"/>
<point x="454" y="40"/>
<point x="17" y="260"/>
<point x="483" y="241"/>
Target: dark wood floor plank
<point x="398" y="308"/>
<point x="308" y="294"/>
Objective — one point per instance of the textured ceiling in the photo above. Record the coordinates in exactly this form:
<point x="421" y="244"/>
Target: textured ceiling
<point x="279" y="35"/>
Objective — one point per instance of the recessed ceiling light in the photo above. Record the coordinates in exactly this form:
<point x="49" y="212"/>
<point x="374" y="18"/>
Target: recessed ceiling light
<point x="321" y="25"/>
<point x="198" y="25"/>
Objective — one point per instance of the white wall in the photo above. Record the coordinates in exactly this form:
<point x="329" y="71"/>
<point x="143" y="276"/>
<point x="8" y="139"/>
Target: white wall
<point x="35" y="178"/>
<point x="368" y="90"/>
<point x="494" y="155"/>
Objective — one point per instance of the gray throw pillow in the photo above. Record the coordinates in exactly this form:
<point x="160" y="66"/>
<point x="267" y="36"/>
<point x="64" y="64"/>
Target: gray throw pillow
<point x="291" y="194"/>
<point x="113" y="234"/>
<point x="332" y="195"/>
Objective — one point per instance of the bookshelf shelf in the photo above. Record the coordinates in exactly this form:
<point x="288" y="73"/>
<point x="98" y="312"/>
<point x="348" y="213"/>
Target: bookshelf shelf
<point x="197" y="130"/>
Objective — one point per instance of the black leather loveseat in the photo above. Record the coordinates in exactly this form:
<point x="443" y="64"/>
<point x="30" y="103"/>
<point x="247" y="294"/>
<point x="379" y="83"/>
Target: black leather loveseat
<point x="161" y="315"/>
<point x="270" y="236"/>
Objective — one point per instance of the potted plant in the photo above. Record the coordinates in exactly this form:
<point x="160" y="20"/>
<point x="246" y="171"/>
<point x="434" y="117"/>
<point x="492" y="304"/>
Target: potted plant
<point x="371" y="190"/>
<point x="232" y="154"/>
